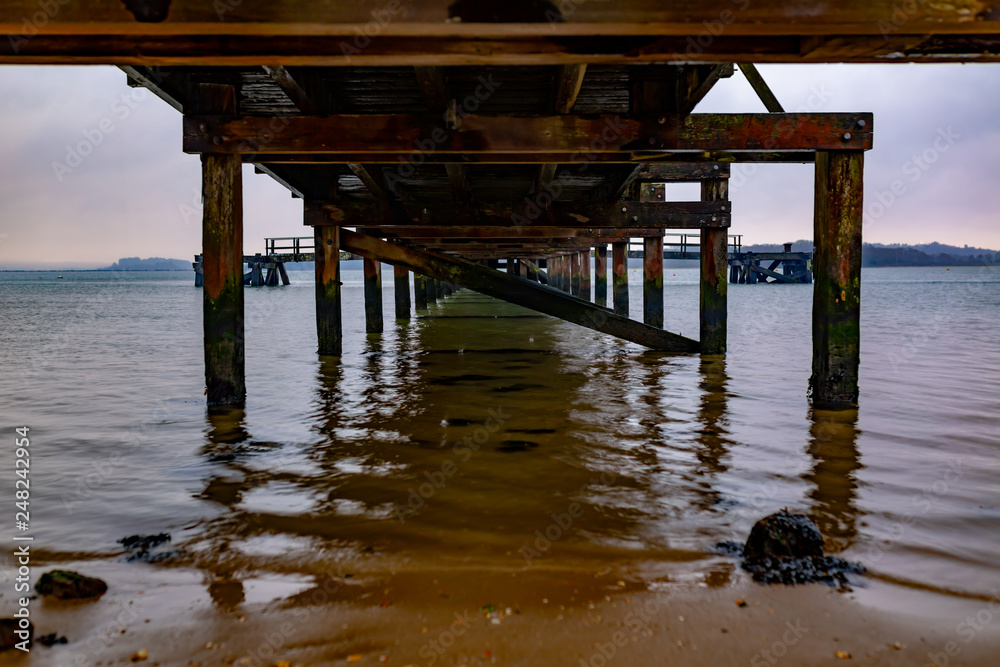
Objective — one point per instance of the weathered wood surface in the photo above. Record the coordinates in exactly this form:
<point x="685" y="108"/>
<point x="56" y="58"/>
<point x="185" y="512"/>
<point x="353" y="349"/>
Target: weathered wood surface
<point x="836" y="326"/>
<point x="575" y="276"/>
<point x="420" y="291"/>
<point x="222" y="265"/>
<point x="445" y="18"/>
<point x="401" y="284"/>
<point x="572" y="135"/>
<point x="222" y="276"/>
<point x="760" y="87"/>
<point x="374" y="321"/>
<point x="666" y="158"/>
<point x="652" y="281"/>
<point x="714" y="264"/>
<point x="619" y="267"/>
<point x="601" y="275"/>
<point x="445" y="32"/>
<point x="585" y="274"/>
<point x="521" y="292"/>
<point x="329" y="326"/>
<point x="631" y="214"/>
<point x="496" y="234"/>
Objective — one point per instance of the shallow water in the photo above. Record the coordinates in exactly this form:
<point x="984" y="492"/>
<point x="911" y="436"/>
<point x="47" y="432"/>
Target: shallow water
<point x="482" y="436"/>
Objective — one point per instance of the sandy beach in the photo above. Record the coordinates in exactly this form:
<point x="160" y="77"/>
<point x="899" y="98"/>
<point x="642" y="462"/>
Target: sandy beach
<point x="530" y="616"/>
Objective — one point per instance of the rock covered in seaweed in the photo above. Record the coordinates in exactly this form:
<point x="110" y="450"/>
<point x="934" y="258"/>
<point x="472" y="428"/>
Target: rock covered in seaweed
<point x="786" y="548"/>
<point x="66" y="585"/>
<point x="784" y="536"/>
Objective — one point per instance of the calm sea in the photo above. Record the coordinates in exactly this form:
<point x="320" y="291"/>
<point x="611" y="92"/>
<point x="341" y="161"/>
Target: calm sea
<point x="457" y="435"/>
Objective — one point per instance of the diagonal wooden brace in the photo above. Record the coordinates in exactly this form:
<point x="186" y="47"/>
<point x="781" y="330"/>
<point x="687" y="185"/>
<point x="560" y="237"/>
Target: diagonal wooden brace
<point x="517" y="291"/>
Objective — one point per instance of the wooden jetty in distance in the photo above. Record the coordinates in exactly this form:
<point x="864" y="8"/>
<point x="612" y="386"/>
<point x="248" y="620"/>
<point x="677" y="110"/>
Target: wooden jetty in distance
<point x="268" y="269"/>
<point x="435" y="134"/>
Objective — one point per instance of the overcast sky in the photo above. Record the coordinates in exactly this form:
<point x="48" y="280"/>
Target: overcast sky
<point x="937" y="145"/>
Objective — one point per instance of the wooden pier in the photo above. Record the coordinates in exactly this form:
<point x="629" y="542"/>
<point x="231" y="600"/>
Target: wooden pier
<point x="268" y="269"/>
<point x="528" y="132"/>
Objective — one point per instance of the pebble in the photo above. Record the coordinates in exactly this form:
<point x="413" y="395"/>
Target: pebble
<point x="843" y="655"/>
<point x="139" y="655"/>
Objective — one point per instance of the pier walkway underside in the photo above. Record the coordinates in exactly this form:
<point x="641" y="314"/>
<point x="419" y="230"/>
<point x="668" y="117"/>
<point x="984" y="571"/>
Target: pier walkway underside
<point x="443" y="137"/>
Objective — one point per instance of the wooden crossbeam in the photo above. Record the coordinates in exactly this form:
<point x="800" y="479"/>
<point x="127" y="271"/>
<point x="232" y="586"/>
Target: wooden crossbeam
<point x="445" y="32"/>
<point x="568" y="85"/>
<point x="371" y="179"/>
<point x="572" y="135"/>
<point x="446" y="18"/>
<point x="512" y="233"/>
<point x="295" y="92"/>
<point x="664" y="215"/>
<point x="711" y="157"/>
<point x="515" y="290"/>
<point x="760" y="87"/>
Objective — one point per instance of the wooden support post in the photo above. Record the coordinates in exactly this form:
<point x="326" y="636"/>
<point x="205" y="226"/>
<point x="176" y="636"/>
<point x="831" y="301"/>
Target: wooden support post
<point x="585" y="275"/>
<point x="555" y="272"/>
<point x="222" y="264"/>
<point x="420" y="291"/>
<point x="373" y="296"/>
<point x="652" y="283"/>
<point x="432" y="291"/>
<point x="837" y="276"/>
<point x="714" y="265"/>
<point x="329" y="328"/>
<point x="575" y="275"/>
<point x="283" y="273"/>
<point x="601" y="275"/>
<point x="401" y="279"/>
<point x="619" y="270"/>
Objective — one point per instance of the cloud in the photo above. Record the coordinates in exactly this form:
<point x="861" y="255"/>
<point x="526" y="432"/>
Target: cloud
<point x="133" y="193"/>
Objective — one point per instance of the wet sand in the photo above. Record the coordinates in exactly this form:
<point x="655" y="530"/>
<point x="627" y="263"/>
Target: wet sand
<point x="464" y="615"/>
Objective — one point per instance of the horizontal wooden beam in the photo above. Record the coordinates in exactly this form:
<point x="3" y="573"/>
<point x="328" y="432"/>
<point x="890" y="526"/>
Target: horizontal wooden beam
<point x="515" y="290"/>
<point x="710" y="157"/>
<point x="526" y="50"/>
<point x="446" y="32"/>
<point x="447" y="18"/>
<point x="575" y="136"/>
<point x="665" y="215"/>
<point x="500" y="234"/>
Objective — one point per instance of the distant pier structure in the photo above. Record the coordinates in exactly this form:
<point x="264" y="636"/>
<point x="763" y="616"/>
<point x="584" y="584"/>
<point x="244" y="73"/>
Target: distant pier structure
<point x="463" y="133"/>
<point x="268" y="269"/>
<point x="744" y="267"/>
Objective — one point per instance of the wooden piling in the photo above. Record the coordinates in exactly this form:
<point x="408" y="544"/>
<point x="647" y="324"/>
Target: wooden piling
<point x="575" y="275"/>
<point x="714" y="266"/>
<point x="585" y="275"/>
<point x="329" y="328"/>
<point x="619" y="269"/>
<point x="420" y="291"/>
<point x="401" y="280"/>
<point x="373" y="296"/>
<point x="652" y="283"/>
<point x="222" y="264"/>
<point x="601" y="275"/>
<point x="432" y="291"/>
<point x="837" y="276"/>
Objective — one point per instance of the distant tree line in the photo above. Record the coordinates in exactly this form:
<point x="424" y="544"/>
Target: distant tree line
<point x="875" y="254"/>
<point x="149" y="264"/>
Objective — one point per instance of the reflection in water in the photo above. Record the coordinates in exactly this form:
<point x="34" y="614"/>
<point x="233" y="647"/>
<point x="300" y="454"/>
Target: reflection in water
<point x="833" y="447"/>
<point x="713" y="443"/>
<point x="225" y="433"/>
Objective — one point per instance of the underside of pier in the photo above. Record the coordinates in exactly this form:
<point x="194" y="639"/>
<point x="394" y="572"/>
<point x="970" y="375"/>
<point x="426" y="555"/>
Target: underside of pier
<point x="445" y="137"/>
